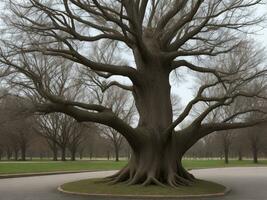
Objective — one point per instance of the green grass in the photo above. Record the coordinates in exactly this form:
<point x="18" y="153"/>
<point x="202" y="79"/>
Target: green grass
<point x="94" y="186"/>
<point x="34" y="167"/>
<point x="198" y="164"/>
<point x="49" y="166"/>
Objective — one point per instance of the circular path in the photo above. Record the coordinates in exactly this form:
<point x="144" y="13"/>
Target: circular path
<point x="246" y="184"/>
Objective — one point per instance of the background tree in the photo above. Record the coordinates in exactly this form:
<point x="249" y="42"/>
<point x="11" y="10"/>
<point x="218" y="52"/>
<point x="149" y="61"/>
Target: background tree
<point x="256" y="137"/>
<point x="159" y="37"/>
<point x="226" y="141"/>
<point x="16" y="126"/>
<point x="76" y="135"/>
<point x="123" y="107"/>
<point x="56" y="128"/>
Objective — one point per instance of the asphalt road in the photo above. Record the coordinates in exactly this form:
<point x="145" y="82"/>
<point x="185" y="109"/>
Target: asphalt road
<point x="246" y="184"/>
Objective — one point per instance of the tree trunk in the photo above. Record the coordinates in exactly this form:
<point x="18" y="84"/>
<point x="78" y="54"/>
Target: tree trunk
<point x="240" y="155"/>
<point x="8" y="153"/>
<point x="54" y="148"/>
<point x="55" y="152"/>
<point x="16" y="154"/>
<point x="226" y="155"/>
<point x="255" y="155"/>
<point x="63" y="153"/>
<point x="73" y="154"/>
<point x="156" y="155"/>
<point x="108" y="155"/>
<point x="161" y="165"/>
<point x="116" y="149"/>
<point x="81" y="153"/>
<point x="23" y="153"/>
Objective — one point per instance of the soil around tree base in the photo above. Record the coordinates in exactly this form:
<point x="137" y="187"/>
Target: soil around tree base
<point x="98" y="188"/>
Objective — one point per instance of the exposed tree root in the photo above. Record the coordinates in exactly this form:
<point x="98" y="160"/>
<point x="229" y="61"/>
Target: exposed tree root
<point x="149" y="177"/>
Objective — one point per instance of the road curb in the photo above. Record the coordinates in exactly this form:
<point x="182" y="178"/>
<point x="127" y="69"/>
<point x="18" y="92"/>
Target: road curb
<point x="220" y="194"/>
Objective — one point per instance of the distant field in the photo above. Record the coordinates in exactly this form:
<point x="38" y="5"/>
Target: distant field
<point x="50" y="166"/>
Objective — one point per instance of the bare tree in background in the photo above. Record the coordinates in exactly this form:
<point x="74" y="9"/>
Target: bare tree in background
<point x="76" y="135"/>
<point x="159" y="37"/>
<point x="16" y="127"/>
<point x="226" y="141"/>
<point x="62" y="131"/>
<point x="121" y="104"/>
<point x="256" y="137"/>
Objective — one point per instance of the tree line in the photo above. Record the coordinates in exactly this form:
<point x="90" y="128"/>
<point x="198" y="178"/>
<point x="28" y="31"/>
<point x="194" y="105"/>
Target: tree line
<point x="24" y="136"/>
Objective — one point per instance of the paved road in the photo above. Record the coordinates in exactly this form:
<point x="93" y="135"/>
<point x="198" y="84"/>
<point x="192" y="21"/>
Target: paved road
<point x="246" y="184"/>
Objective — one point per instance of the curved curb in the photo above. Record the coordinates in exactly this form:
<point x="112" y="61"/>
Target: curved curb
<point x="220" y="194"/>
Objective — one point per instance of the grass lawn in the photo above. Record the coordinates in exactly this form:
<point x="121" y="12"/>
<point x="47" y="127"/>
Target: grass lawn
<point x="33" y="167"/>
<point x="46" y="166"/>
<point x="93" y="186"/>
<point x="197" y="164"/>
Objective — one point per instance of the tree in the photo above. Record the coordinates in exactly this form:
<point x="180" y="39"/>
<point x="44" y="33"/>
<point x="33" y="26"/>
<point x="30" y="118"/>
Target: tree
<point x="56" y="128"/>
<point x="76" y="136"/>
<point x="239" y="145"/>
<point x="16" y="126"/>
<point x="226" y="141"/>
<point x="160" y="37"/>
<point x="118" y="100"/>
<point x="256" y="137"/>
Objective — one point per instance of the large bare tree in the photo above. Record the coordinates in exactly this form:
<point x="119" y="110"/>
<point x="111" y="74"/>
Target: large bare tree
<point x="158" y="37"/>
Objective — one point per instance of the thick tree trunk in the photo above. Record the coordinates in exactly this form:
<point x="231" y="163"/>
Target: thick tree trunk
<point x="156" y="154"/>
<point x="156" y="162"/>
